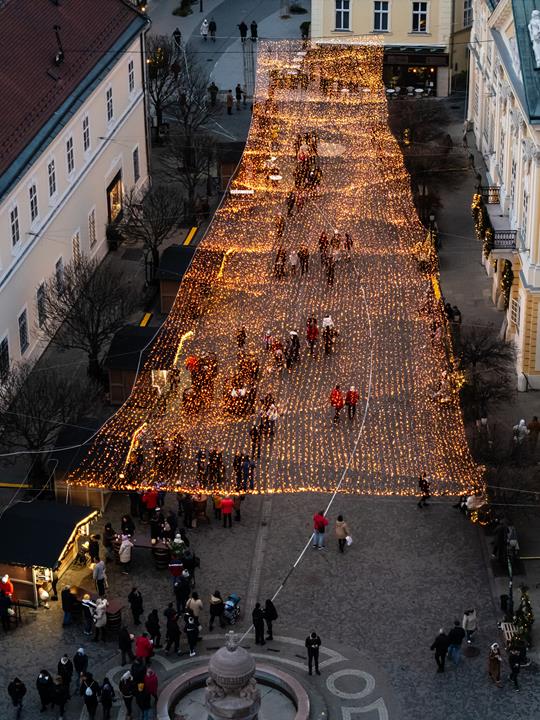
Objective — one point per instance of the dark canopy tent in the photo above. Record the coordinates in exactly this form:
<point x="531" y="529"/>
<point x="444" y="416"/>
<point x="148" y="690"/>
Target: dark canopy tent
<point x="34" y="536"/>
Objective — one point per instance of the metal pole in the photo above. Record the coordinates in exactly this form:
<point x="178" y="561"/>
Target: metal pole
<point x="201" y="6"/>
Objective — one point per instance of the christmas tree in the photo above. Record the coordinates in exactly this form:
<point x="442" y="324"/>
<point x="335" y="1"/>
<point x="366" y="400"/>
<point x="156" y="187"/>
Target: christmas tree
<point x="524" y="617"/>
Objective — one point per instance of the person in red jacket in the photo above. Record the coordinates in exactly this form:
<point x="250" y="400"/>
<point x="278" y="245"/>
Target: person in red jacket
<point x="319" y="527"/>
<point x="151" y="683"/>
<point x="337" y="401"/>
<point x="227" y="505"/>
<point x="144" y="648"/>
<point x="150" y="500"/>
<point x="351" y="401"/>
<point x="312" y="333"/>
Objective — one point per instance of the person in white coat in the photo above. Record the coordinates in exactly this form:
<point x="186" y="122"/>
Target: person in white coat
<point x="100" y="618"/>
<point x="124" y="554"/>
<point x="204" y="29"/>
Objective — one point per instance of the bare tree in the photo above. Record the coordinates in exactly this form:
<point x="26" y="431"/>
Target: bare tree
<point x="162" y="73"/>
<point x="189" y="161"/>
<point x="84" y="307"/>
<point x="33" y="407"/>
<point x="151" y="218"/>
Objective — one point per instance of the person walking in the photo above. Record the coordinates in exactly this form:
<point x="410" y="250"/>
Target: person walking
<point x="80" y="665"/>
<point x="16" y="691"/>
<point x="182" y="588"/>
<point x="124" y="554"/>
<point x="440" y="645"/>
<point x="217" y="609"/>
<point x="495" y="664"/>
<point x="319" y="526"/>
<point x="238" y="94"/>
<point x="68" y="600"/>
<point x="313" y="643"/>
<point x="100" y="577"/>
<point x="154" y="628"/>
<point x="65" y="671"/>
<point x="212" y="28"/>
<point x="455" y="638"/>
<point x="93" y="548"/>
<point x="107" y="698"/>
<point x="204" y="30"/>
<point x="127" y="688"/>
<point x="144" y="701"/>
<point x="135" y="601"/>
<point x="109" y="536"/>
<point x="342" y="533"/>
<point x="312" y="334"/>
<point x="172" y="634"/>
<point x="213" y="90"/>
<point x="59" y="695"/>
<point x="243" y="31"/>
<point x="229" y="102"/>
<point x="351" y="401"/>
<point x="337" y="401"/>
<point x="100" y="619"/>
<point x="254" y="32"/>
<point x="44" y="685"/>
<point x="303" y="256"/>
<point x="469" y="624"/>
<point x="514" y="662"/>
<point x="257" y="618"/>
<point x="194" y="606"/>
<point x="125" y="644"/>
<point x="151" y="684"/>
<point x="227" y="505"/>
<point x="192" y="634"/>
<point x="90" y="692"/>
<point x="423" y="485"/>
<point x="270" y="616"/>
<point x="255" y="435"/>
<point x="144" y="648"/>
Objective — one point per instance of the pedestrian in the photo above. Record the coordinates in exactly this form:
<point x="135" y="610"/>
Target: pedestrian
<point x="124" y="554"/>
<point x="313" y="643"/>
<point x="212" y="28"/>
<point x="329" y="334"/>
<point x="255" y="435"/>
<point x="270" y="616"/>
<point x="423" y="485"/>
<point x="227" y="505"/>
<point x="44" y="684"/>
<point x="90" y="692"/>
<point x="241" y="336"/>
<point x="323" y="248"/>
<point x="213" y="90"/>
<point x="469" y="624"/>
<point x="16" y="691"/>
<point x="138" y="670"/>
<point x="238" y="93"/>
<point x="257" y="617"/>
<point x="229" y="102"/>
<point x="107" y="698"/>
<point x="177" y="37"/>
<point x="194" y="606"/>
<point x="144" y="648"/>
<point x="253" y="28"/>
<point x="109" y="536"/>
<point x="348" y="245"/>
<point x="127" y="526"/>
<point x="331" y="268"/>
<point x="100" y="619"/>
<point x="243" y="31"/>
<point x="135" y="601"/>
<point x="68" y="601"/>
<point x="440" y="645"/>
<point x="154" y="628"/>
<point x="93" y="548"/>
<point x="182" y="588"/>
<point x="455" y="638"/>
<point x="204" y="29"/>
<point x="303" y="256"/>
<point x="312" y="334"/>
<point x="192" y="634"/>
<point x="80" y="665"/>
<point x="495" y="663"/>
<point x="319" y="527"/>
<point x="237" y="504"/>
<point x="514" y="662"/>
<point x="342" y="533"/>
<point x="144" y="701"/>
<point x="65" y="670"/>
<point x="59" y="695"/>
<point x="151" y="683"/>
<point x="248" y="467"/>
<point x="187" y="510"/>
<point x="172" y="634"/>
<point x="337" y="401"/>
<point x="351" y="401"/>
<point x="125" y="644"/>
<point x="100" y="577"/>
<point x="217" y="609"/>
<point x="534" y="430"/>
<point x="126" y="687"/>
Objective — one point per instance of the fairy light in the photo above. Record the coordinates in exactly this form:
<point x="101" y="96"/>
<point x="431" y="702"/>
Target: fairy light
<point x="333" y="92"/>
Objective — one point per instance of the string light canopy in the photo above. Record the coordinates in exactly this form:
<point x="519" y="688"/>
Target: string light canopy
<point x="320" y="125"/>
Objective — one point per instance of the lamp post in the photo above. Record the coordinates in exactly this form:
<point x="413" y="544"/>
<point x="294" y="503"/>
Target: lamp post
<point x="201" y="6"/>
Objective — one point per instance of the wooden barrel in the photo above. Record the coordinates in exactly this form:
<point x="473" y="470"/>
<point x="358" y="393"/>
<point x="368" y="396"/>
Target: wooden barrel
<point x="162" y="557"/>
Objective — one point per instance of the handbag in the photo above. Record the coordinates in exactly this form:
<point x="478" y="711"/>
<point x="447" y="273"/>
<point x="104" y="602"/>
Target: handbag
<point x="348" y="540"/>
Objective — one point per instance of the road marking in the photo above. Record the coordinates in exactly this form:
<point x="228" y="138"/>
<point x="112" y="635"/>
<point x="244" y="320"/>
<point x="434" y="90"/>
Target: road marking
<point x="146" y="319"/>
<point x="190" y="235"/>
<point x="369" y="680"/>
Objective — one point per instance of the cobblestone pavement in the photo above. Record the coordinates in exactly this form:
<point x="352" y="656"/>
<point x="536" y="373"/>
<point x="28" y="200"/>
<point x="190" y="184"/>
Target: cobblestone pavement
<point x="408" y="572"/>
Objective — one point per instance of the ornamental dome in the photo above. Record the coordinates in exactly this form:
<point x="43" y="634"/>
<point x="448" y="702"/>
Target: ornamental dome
<point x="231" y="667"/>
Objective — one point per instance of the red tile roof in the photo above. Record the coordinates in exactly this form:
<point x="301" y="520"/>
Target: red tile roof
<point x="28" y="88"/>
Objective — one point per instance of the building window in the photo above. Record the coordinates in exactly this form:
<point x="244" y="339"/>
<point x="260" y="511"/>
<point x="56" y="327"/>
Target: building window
<point x="70" y="156"/>
<point x="380" y="16"/>
<point x="4" y="358"/>
<point x="114" y="198"/>
<point x="136" y="166"/>
<point x="15" y="230"/>
<point x="52" y="178"/>
<point x="419" y="16"/>
<point x="76" y="245"/>
<point x="502" y="147"/>
<point x="343" y="15"/>
<point x="513" y="183"/>
<point x="59" y="274"/>
<point x="23" y="332"/>
<point x="92" y="227"/>
<point x="131" y="76"/>
<point x="467" y="13"/>
<point x="86" y="134"/>
<point x="110" y="107"/>
<point x="40" y="304"/>
<point x="33" y="203"/>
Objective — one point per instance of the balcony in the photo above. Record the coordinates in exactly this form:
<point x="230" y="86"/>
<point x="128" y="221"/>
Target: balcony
<point x="490" y="194"/>
<point x="504" y="239"/>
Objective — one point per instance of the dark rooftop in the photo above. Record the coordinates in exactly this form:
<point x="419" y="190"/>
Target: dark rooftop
<point x="175" y="261"/>
<point x="126" y="347"/>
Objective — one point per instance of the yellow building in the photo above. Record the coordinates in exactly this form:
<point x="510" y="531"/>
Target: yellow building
<point x="461" y="34"/>
<point x="416" y="36"/>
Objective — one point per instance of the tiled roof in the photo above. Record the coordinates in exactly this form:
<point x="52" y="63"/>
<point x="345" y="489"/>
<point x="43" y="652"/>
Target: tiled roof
<point x="32" y="88"/>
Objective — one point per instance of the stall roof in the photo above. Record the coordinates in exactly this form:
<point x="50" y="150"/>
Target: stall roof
<point x="35" y="533"/>
<point x="175" y="261"/>
<point x="127" y="345"/>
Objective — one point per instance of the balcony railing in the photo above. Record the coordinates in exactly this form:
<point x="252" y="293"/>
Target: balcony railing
<point x="504" y="239"/>
<point x="491" y="194"/>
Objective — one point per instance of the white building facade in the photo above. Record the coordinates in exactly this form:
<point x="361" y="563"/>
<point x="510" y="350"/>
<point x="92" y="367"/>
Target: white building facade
<point x="504" y="112"/>
<point x="65" y="183"/>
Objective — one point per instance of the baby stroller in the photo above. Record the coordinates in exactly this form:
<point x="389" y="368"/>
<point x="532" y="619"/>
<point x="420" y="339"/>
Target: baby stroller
<point x="231" y="612"/>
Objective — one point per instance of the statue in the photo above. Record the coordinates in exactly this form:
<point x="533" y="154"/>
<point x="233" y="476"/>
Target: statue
<point x="514" y="52"/>
<point x="534" y="32"/>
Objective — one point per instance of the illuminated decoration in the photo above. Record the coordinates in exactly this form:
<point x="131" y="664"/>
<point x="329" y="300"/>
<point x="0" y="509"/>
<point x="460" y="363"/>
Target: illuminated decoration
<point x="342" y="172"/>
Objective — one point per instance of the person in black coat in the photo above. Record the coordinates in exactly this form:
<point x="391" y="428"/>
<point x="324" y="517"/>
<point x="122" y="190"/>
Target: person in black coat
<point x="440" y="645"/>
<point x="127" y="689"/>
<point x="135" y="601"/>
<point x="243" y="31"/>
<point x="153" y="627"/>
<point x="270" y="615"/>
<point x="107" y="698"/>
<point x="90" y="692"/>
<point x="192" y="634"/>
<point x="313" y="643"/>
<point x="93" y="548"/>
<point x="257" y="617"/>
<point x="143" y="698"/>
<point x="68" y="600"/>
<point x="16" y="691"/>
<point x="173" y="634"/>
<point x="44" y="685"/>
<point x="182" y="589"/>
<point x="127" y="525"/>
<point x="253" y="28"/>
<point x="65" y="671"/>
<point x="124" y="644"/>
<point x="59" y="694"/>
<point x="80" y="665"/>
<point x="138" y="670"/>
